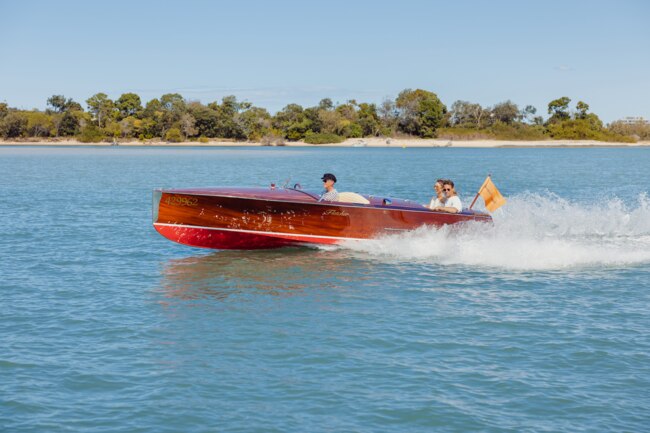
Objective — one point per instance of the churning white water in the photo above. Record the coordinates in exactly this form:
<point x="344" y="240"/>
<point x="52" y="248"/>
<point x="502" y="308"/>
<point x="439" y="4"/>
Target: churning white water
<point x="531" y="232"/>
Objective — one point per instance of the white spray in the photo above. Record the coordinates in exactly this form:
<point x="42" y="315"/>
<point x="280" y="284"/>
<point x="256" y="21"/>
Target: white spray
<point x="532" y="232"/>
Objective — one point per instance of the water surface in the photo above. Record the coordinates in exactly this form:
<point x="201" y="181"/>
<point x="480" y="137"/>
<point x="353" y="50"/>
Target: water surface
<point x="538" y="323"/>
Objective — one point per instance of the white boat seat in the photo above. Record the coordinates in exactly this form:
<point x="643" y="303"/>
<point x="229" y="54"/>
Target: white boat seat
<point x="352" y="197"/>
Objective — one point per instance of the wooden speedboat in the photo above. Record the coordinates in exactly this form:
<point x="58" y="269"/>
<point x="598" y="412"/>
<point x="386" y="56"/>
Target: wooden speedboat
<point x="257" y="218"/>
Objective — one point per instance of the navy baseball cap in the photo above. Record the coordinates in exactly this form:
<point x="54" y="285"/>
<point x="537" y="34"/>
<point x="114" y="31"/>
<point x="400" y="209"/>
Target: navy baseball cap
<point x="328" y="176"/>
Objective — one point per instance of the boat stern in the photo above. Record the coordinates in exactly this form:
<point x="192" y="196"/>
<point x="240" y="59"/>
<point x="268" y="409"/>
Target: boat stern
<point x="155" y="204"/>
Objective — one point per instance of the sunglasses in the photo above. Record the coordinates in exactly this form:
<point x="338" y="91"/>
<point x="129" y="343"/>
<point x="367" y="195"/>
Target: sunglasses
<point x="447" y="189"/>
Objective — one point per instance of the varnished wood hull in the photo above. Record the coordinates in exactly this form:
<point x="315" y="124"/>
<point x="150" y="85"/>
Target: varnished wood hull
<point x="256" y="218"/>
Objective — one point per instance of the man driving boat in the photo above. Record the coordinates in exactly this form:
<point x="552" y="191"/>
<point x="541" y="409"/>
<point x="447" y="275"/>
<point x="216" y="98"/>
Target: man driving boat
<point x="330" y="193"/>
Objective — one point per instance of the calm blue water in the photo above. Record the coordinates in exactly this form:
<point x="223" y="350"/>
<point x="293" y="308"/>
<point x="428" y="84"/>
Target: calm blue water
<point x="539" y="323"/>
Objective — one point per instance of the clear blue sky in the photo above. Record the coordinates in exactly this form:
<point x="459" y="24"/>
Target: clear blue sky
<point x="272" y="53"/>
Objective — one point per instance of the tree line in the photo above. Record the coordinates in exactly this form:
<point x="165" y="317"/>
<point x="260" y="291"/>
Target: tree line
<point x="417" y="113"/>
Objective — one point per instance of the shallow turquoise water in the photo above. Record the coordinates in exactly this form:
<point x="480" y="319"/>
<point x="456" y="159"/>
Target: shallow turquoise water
<point x="539" y="323"/>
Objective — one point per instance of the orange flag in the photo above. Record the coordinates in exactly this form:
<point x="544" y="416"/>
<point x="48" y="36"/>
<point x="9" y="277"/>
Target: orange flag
<point x="493" y="198"/>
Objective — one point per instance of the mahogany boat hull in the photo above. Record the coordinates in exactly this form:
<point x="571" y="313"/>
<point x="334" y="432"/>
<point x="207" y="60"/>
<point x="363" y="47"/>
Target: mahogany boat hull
<point x="257" y="218"/>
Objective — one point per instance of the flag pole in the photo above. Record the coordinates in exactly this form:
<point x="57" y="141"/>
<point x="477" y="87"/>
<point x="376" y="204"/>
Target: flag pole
<point x="479" y="192"/>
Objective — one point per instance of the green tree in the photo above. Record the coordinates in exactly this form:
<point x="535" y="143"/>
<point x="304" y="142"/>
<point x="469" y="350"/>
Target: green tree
<point x="63" y="115"/>
<point x="588" y="128"/>
<point x="227" y="113"/>
<point x="188" y="125"/>
<point x="325" y="104"/>
<point x="13" y="124"/>
<point x="152" y="117"/>
<point x="582" y="109"/>
<point x="68" y="125"/>
<point x="559" y="109"/>
<point x="173" y="102"/>
<point x="528" y="114"/>
<point x="255" y="123"/>
<point x="39" y="124"/>
<point x="329" y="122"/>
<point x="4" y="109"/>
<point x="292" y="122"/>
<point x="351" y="129"/>
<point x="348" y="110"/>
<point x="421" y="112"/>
<point x="174" y="135"/>
<point x="149" y="128"/>
<point x="466" y="114"/>
<point x="205" y="119"/>
<point x="113" y="129"/>
<point x="73" y="106"/>
<point x="129" y="104"/>
<point x="152" y="108"/>
<point x="312" y="114"/>
<point x="348" y="125"/>
<point x="506" y="112"/>
<point x="172" y="109"/>
<point x="58" y="103"/>
<point x="101" y="108"/>
<point x="388" y="116"/>
<point x="369" y="119"/>
<point x="90" y="133"/>
<point x="130" y="127"/>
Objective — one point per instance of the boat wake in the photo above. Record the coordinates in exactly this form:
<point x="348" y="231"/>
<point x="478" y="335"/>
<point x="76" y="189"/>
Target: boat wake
<point x="532" y="232"/>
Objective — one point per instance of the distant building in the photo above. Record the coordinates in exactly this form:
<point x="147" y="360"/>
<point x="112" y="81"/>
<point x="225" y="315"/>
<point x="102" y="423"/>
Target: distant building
<point x="634" y="120"/>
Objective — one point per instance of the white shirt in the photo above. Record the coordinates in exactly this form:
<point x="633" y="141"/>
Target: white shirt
<point x="435" y="202"/>
<point x="454" y="201"/>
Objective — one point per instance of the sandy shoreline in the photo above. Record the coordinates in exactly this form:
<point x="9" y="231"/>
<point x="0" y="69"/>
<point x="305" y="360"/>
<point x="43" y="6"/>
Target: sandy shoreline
<point x="352" y="142"/>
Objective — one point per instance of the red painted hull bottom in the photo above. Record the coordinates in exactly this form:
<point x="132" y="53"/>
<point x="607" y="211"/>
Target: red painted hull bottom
<point x="234" y="240"/>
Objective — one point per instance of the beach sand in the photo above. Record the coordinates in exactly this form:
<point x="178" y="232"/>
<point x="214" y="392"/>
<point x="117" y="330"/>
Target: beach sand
<point x="351" y="142"/>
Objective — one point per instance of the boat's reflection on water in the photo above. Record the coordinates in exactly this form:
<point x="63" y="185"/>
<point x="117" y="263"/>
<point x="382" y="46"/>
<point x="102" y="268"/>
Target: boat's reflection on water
<point x="281" y="272"/>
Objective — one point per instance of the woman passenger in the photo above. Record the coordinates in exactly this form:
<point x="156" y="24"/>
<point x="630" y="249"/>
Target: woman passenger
<point x="439" y="199"/>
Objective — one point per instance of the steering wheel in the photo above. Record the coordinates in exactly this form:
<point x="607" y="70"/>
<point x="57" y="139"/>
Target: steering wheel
<point x="297" y="186"/>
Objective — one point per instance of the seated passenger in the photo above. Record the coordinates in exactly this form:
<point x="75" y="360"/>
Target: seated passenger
<point x="330" y="193"/>
<point x="452" y="203"/>
<point x="439" y="199"/>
